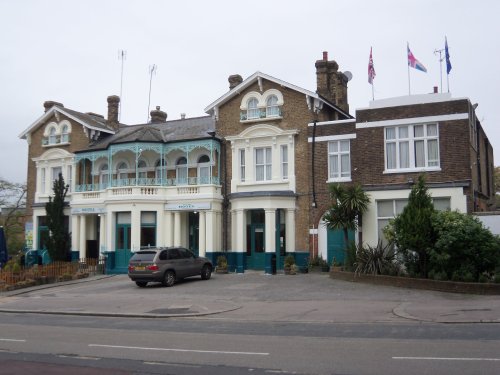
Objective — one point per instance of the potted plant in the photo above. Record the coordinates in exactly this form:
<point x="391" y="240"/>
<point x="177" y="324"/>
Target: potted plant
<point x="289" y="264"/>
<point x="221" y="264"/>
<point x="336" y="267"/>
<point x="318" y="264"/>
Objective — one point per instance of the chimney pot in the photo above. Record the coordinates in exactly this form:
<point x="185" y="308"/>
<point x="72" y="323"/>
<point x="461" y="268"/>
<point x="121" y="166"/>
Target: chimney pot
<point x="50" y="103"/>
<point x="325" y="55"/>
<point x="435" y="89"/>
<point x="158" y="115"/>
<point x="183" y="116"/>
<point x="113" y="108"/>
<point x="234" y="80"/>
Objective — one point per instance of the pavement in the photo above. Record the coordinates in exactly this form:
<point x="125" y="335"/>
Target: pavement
<point x="253" y="296"/>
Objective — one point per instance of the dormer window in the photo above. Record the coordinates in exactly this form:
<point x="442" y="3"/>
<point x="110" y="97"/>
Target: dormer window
<point x="253" y="111"/>
<point x="52" y="136"/>
<point x="64" y="134"/>
<point x="272" y="108"/>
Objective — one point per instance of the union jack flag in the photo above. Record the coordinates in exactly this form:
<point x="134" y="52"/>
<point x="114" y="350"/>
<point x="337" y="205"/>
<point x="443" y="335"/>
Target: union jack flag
<point x="413" y="62"/>
<point x="371" y="69"/>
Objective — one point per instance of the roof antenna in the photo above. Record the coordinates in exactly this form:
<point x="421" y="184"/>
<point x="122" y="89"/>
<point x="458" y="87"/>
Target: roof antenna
<point x="122" y="55"/>
<point x="152" y="70"/>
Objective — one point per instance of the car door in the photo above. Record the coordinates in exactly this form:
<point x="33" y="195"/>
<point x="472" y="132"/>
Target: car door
<point x="175" y="262"/>
<point x="189" y="262"/>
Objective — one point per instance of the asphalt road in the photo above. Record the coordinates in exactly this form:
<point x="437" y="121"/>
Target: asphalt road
<point x="241" y="341"/>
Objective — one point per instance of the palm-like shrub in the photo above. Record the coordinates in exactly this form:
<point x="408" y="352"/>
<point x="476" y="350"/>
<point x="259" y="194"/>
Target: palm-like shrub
<point x="378" y="260"/>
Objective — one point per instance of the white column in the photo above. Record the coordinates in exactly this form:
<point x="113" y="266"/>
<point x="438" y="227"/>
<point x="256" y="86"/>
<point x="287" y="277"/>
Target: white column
<point x="83" y="236"/>
<point x="102" y="232"/>
<point x="110" y="231"/>
<point x="270" y="231"/>
<point x="240" y="231"/>
<point x="160" y="233"/>
<point x="177" y="228"/>
<point x="290" y="230"/>
<point x="135" y="228"/>
<point x="75" y="232"/>
<point x="210" y="223"/>
<point x="202" y="234"/>
<point x="233" y="230"/>
<point x="35" y="233"/>
<point x="169" y="229"/>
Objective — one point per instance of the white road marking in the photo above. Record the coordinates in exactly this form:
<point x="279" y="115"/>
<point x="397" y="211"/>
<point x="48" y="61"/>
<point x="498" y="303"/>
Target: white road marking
<point x="13" y="340"/>
<point x="79" y="357"/>
<point x="177" y="350"/>
<point x="447" y="359"/>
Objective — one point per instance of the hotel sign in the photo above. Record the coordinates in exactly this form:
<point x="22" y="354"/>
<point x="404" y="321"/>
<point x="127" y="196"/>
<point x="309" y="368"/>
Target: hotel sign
<point x="187" y="206"/>
<point x="88" y="210"/>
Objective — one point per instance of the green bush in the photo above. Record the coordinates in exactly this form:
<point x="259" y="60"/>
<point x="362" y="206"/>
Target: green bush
<point x="378" y="260"/>
<point x="464" y="249"/>
<point x="289" y="260"/>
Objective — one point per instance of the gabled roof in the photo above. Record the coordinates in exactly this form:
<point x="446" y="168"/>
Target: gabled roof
<point x="90" y="121"/>
<point x="258" y="76"/>
<point x="170" y="131"/>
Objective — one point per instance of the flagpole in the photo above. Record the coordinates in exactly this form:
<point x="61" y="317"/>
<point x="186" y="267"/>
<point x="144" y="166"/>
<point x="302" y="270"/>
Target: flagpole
<point x="373" y="95"/>
<point x="448" y="81"/>
<point x="409" y="86"/>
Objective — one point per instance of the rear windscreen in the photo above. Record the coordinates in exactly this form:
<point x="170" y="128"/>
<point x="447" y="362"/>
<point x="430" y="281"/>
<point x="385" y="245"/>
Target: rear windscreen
<point x="144" y="256"/>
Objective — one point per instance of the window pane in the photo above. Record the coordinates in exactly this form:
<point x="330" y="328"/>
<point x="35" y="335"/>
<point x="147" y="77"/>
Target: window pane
<point x="404" y="155"/>
<point x="391" y="155"/>
<point x="333" y="147"/>
<point x="418" y="130"/>
<point x="432" y="149"/>
<point x="268" y="155"/>
<point x="390" y="133"/>
<point x="403" y="131"/>
<point x="345" y="165"/>
<point x="400" y="205"/>
<point x="441" y="204"/>
<point x="419" y="154"/>
<point x="385" y="208"/>
<point x="334" y="166"/>
<point x="259" y="173"/>
<point x="344" y="145"/>
<point x="382" y="223"/>
<point x="268" y="172"/>
<point x="432" y="130"/>
<point x="259" y="156"/>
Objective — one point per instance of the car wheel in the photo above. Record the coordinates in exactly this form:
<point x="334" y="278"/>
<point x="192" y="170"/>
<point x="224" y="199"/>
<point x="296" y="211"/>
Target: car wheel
<point x="141" y="284"/>
<point x="169" y="278"/>
<point x="206" y="272"/>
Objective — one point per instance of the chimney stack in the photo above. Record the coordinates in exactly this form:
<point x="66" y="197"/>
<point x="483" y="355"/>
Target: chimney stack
<point x="331" y="84"/>
<point x="435" y="89"/>
<point x="157" y="115"/>
<point x="234" y="80"/>
<point x="113" y="108"/>
<point x="183" y="116"/>
<point x="50" y="103"/>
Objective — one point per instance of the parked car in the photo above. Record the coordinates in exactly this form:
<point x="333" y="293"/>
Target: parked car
<point x="166" y="265"/>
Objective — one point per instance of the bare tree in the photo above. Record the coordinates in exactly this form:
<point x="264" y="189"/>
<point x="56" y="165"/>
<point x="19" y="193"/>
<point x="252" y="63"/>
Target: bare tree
<point x="12" y="205"/>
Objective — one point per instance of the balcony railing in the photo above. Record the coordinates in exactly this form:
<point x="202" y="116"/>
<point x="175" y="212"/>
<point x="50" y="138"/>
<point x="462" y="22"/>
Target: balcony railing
<point x="147" y="182"/>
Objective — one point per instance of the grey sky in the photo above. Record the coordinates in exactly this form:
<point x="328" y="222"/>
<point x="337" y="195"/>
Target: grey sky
<point x="67" y="51"/>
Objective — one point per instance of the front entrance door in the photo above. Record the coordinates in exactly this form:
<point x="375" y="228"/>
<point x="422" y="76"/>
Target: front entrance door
<point x="256" y="252"/>
<point x="123" y="237"/>
<point x="194" y="232"/>
<point x="335" y="246"/>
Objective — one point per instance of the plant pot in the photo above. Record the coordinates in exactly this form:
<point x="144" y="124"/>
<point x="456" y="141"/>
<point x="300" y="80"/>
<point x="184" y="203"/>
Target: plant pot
<point x="220" y="270"/>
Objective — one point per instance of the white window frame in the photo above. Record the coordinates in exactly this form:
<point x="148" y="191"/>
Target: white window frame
<point x="253" y="112"/>
<point x="204" y="170"/>
<point x="70" y="177"/>
<point x="42" y="180"/>
<point x="272" y="109"/>
<point x="242" y="163"/>
<point x="52" y="136"/>
<point x="284" y="161"/>
<point x="142" y="169"/>
<point x="411" y="141"/>
<point x="104" y="176"/>
<point x="267" y="164"/>
<point x="181" y="171"/>
<point x="65" y="134"/>
<point x="339" y="154"/>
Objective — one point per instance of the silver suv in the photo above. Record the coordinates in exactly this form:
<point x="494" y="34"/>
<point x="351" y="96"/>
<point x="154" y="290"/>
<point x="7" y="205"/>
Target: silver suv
<point x="166" y="265"/>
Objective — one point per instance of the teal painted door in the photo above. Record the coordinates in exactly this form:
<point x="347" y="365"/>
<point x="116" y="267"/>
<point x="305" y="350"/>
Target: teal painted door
<point x="256" y="253"/>
<point x="336" y="246"/>
<point x="123" y="237"/>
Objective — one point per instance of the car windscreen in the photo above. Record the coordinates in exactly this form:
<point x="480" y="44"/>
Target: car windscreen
<point x="143" y="256"/>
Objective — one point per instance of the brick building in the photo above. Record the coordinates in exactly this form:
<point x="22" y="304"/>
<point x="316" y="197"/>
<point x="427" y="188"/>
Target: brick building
<point x="250" y="180"/>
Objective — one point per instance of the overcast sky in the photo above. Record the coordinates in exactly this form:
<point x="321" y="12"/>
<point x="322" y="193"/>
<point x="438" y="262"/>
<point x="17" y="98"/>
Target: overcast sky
<point x="67" y="51"/>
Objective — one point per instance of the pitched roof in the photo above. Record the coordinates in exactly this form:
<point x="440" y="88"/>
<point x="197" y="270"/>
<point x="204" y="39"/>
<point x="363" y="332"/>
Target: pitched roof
<point x="91" y="121"/>
<point x="170" y="131"/>
<point x="258" y="76"/>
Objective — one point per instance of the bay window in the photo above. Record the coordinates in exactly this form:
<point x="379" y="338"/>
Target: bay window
<point x="263" y="164"/>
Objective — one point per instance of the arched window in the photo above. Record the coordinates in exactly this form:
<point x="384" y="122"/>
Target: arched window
<point x="64" y="134"/>
<point x="52" y="136"/>
<point x="203" y="169"/>
<point x="272" y="109"/>
<point x="181" y="171"/>
<point x="104" y="176"/>
<point x="122" y="174"/>
<point x="160" y="168"/>
<point x="141" y="169"/>
<point x="252" y="111"/>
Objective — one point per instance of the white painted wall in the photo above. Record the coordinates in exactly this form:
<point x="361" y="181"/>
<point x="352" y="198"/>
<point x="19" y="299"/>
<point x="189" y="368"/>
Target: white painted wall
<point x="492" y="222"/>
